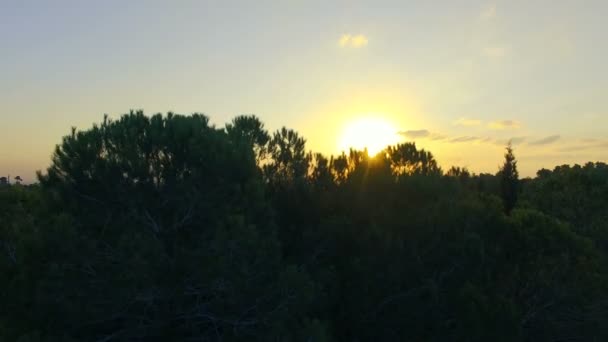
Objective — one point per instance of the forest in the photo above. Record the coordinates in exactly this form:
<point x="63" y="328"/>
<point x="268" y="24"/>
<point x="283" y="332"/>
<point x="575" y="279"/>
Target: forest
<point x="168" y="228"/>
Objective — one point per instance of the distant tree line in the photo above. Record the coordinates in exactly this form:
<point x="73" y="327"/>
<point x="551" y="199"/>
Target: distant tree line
<point x="4" y="181"/>
<point x="167" y="228"/>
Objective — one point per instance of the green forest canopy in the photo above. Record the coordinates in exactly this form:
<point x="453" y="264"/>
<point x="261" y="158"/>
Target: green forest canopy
<point x="166" y="228"/>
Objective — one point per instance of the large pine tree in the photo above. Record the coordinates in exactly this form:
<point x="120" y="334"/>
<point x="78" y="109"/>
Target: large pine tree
<point x="509" y="178"/>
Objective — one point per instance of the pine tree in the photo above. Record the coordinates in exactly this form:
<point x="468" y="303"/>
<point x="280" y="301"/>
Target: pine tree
<point x="509" y="178"/>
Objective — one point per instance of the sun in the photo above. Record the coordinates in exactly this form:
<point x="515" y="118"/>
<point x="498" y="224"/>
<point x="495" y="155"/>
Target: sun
<point x="373" y="133"/>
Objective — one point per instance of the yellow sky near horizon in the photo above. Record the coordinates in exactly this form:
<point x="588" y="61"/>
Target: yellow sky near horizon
<point x="460" y="79"/>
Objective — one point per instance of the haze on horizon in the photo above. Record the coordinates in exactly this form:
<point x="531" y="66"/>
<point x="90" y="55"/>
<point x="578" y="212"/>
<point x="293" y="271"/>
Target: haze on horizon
<point x="459" y="79"/>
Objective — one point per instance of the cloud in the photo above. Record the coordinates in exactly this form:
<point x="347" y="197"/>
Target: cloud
<point x="495" y="51"/>
<point x="422" y="134"/>
<point x="359" y="41"/>
<point x="437" y="136"/>
<point x="353" y="41"/>
<point x="413" y="134"/>
<point x="345" y="40"/>
<point x="467" y="122"/>
<point x="576" y="148"/>
<point x="489" y="12"/>
<point x="504" y="124"/>
<point x="545" y="141"/>
<point x="517" y="140"/>
<point x="589" y="144"/>
<point x="513" y="141"/>
<point x="425" y="134"/>
<point x="464" y="139"/>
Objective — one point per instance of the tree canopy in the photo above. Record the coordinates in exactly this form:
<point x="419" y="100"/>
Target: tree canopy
<point x="165" y="227"/>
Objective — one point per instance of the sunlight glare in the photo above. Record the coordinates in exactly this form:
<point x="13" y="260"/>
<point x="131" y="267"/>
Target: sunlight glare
<point x="373" y="133"/>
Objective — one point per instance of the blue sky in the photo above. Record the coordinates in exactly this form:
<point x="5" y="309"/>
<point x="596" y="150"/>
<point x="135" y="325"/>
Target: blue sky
<point x="459" y="77"/>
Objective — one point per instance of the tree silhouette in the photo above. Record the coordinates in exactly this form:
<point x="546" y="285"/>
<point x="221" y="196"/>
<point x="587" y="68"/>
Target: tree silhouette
<point x="250" y="130"/>
<point x="166" y="228"/>
<point x="289" y="160"/>
<point x="458" y="172"/>
<point x="407" y="159"/>
<point x="509" y="179"/>
<point x="178" y="199"/>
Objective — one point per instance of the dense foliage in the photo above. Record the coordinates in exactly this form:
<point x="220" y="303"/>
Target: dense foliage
<point x="166" y="228"/>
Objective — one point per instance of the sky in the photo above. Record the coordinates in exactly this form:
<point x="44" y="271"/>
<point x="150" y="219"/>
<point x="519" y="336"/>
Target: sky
<point x="460" y="78"/>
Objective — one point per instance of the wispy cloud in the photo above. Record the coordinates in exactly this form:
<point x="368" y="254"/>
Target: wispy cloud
<point x="495" y="51"/>
<point x="488" y="12"/>
<point x="545" y="141"/>
<point x="588" y="145"/>
<point x="414" y="134"/>
<point x="576" y="148"/>
<point x="504" y="124"/>
<point x="422" y="134"/>
<point x="513" y="141"/>
<point x="437" y="136"/>
<point x="464" y="139"/>
<point x="467" y="122"/>
<point x="488" y="140"/>
<point x="353" y="41"/>
<point x="517" y="140"/>
<point x="425" y="134"/>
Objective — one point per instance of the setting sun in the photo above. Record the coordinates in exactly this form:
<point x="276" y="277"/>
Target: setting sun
<point x="372" y="133"/>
